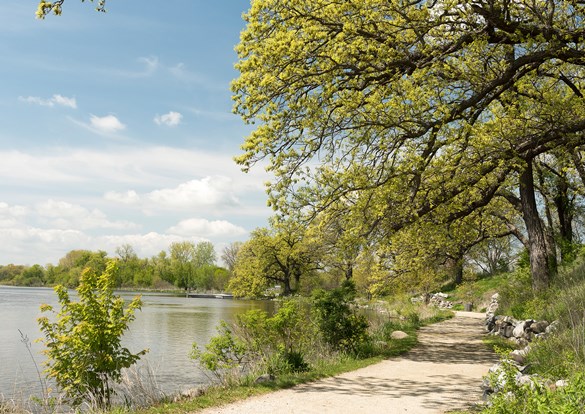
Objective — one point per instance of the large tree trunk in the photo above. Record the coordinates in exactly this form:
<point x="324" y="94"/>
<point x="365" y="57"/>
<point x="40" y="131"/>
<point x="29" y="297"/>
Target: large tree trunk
<point x="564" y="208"/>
<point x="286" y="288"/>
<point x="542" y="262"/>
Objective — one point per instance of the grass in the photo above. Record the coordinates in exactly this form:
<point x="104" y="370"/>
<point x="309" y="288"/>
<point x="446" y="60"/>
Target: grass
<point x="477" y="291"/>
<point x="497" y="343"/>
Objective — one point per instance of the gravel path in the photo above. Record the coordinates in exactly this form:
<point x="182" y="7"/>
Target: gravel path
<point x="442" y="373"/>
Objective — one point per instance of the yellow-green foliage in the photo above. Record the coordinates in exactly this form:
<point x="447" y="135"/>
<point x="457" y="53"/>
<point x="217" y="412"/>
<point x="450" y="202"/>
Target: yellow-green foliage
<point x="56" y="7"/>
<point x="83" y="339"/>
<point x="394" y="114"/>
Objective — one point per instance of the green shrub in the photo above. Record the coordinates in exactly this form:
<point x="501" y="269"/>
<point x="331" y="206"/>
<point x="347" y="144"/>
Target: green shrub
<point x="224" y="353"/>
<point x="340" y="324"/>
<point x="256" y="341"/>
<point x="83" y="346"/>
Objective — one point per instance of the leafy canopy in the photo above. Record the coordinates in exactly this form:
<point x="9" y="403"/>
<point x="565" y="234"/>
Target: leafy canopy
<point x="395" y="113"/>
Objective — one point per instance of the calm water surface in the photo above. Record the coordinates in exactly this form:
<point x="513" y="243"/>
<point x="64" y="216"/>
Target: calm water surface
<point x="167" y="326"/>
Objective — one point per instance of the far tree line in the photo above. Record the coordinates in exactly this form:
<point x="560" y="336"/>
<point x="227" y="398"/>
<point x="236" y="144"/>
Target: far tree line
<point x="284" y="258"/>
<point x="185" y="265"/>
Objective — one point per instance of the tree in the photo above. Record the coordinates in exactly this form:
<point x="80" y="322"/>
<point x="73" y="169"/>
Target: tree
<point x="419" y="112"/>
<point x="33" y="276"/>
<point x="230" y="253"/>
<point x="128" y="266"/>
<point x="70" y="267"/>
<point x="192" y="265"/>
<point x="83" y="345"/>
<point x="47" y="7"/>
<point x="204" y="254"/>
<point x="281" y="254"/>
<point x="181" y="263"/>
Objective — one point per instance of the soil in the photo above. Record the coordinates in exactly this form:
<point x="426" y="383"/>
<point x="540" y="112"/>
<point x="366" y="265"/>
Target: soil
<point x="442" y="373"/>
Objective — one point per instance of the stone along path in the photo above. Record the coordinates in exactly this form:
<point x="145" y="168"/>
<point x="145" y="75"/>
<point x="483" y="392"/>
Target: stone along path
<point x="442" y="373"/>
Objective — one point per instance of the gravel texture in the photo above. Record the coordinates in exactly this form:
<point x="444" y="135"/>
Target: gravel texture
<point x="442" y="373"/>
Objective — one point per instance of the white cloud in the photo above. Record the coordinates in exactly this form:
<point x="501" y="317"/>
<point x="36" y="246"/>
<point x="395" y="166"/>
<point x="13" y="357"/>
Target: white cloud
<point x="51" y="102"/>
<point x="64" y="215"/>
<point x="209" y="191"/>
<point x="122" y="194"/>
<point x="128" y="197"/>
<point x="108" y="124"/>
<point x="205" y="228"/>
<point x="10" y="216"/>
<point x="139" y="168"/>
<point x="145" y="245"/>
<point x="171" y="119"/>
<point x="24" y="244"/>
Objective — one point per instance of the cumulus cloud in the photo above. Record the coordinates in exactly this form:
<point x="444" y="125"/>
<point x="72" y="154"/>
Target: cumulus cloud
<point x="11" y="215"/>
<point x="64" y="215"/>
<point x="209" y="191"/>
<point x="30" y="244"/>
<point x="205" y="228"/>
<point x="108" y="124"/>
<point x="171" y="119"/>
<point x="55" y="100"/>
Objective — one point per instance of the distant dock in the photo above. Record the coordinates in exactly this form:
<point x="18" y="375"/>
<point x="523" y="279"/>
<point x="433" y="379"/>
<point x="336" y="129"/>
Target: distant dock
<point x="210" y="295"/>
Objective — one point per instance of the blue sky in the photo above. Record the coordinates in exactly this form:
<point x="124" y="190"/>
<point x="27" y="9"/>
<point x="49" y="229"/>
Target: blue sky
<point x="117" y="128"/>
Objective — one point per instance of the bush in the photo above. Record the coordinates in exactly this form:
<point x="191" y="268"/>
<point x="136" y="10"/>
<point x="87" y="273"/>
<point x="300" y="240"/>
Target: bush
<point x="340" y="325"/>
<point x="274" y="344"/>
<point x="83" y="346"/>
<point x="225" y="353"/>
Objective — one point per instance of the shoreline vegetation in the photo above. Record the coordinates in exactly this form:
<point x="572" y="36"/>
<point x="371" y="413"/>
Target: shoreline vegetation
<point x="260" y="353"/>
<point x="236" y="380"/>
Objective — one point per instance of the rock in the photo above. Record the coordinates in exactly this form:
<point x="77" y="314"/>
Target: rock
<point x="440" y="300"/>
<point x="518" y="331"/>
<point x="539" y="327"/>
<point x="524" y="379"/>
<point x="521" y="342"/>
<point x="490" y="323"/>
<point x="494" y="305"/>
<point x="519" y="356"/>
<point x="188" y="394"/>
<point x="552" y="327"/>
<point x="264" y="378"/>
<point x="507" y="331"/>
<point x="561" y="383"/>
<point x="398" y="335"/>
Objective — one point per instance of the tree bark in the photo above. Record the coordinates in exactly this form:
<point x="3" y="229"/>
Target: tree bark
<point x="542" y="265"/>
<point x="564" y="208"/>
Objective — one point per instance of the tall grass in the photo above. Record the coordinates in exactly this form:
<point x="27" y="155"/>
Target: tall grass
<point x="561" y="355"/>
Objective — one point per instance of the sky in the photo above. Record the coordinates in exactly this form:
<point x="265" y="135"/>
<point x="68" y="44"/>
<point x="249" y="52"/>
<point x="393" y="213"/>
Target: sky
<point x="117" y="128"/>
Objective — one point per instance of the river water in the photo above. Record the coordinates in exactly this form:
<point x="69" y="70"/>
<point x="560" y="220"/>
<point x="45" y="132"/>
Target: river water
<point x="167" y="326"/>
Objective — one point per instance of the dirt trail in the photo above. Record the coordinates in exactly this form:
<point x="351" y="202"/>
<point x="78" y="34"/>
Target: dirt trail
<point x="442" y="373"/>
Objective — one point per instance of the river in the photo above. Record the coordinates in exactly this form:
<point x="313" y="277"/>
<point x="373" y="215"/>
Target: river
<point x="166" y="325"/>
